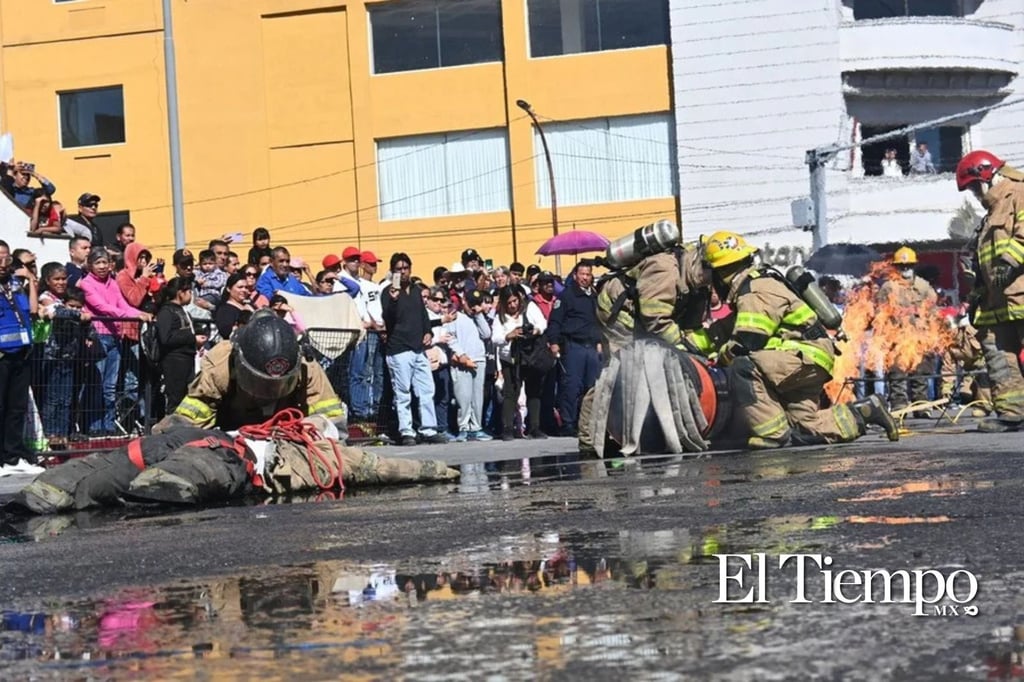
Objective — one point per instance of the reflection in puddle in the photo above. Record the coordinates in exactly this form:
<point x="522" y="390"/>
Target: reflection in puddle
<point x="898" y="520"/>
<point x="378" y="618"/>
<point x="940" y="488"/>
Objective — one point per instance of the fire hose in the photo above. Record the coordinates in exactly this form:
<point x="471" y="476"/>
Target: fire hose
<point x="289" y="424"/>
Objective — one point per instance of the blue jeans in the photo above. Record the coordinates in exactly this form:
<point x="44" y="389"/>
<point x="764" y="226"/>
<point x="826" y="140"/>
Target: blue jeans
<point x="108" y="368"/>
<point x="366" y="377"/>
<point x="410" y="371"/>
<point x="59" y="379"/>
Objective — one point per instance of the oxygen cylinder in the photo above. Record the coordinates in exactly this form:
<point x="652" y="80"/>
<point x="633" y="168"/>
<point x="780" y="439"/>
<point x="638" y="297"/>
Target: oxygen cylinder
<point x="627" y="251"/>
<point x="813" y="296"/>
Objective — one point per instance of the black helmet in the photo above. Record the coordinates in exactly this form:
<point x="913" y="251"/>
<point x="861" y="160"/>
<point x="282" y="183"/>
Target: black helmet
<point x="266" y="357"/>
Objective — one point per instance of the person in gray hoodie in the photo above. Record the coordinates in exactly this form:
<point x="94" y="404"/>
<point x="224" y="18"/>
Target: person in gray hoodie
<point x="468" y="332"/>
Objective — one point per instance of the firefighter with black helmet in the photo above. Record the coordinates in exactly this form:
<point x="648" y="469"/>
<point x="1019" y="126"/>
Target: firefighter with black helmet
<point x="780" y="356"/>
<point x="998" y="269"/>
<point x="256" y="374"/>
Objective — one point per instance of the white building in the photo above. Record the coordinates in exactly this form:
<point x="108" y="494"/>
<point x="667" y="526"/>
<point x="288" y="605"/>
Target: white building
<point x="759" y="82"/>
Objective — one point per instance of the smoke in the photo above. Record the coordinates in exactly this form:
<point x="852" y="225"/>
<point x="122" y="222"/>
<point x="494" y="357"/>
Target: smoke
<point x="884" y="333"/>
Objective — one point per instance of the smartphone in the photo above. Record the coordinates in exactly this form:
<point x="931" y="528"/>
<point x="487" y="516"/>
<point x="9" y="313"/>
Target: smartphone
<point x="29" y="167"/>
<point x="159" y="269"/>
<point x="234" y="237"/>
<point x="489" y="264"/>
<point x="396" y="280"/>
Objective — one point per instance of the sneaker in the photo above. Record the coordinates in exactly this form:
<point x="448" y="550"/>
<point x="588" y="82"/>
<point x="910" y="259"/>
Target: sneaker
<point x="481" y="436"/>
<point x="508" y="435"/>
<point x="408" y="440"/>
<point x="436" y="439"/>
<point x="461" y="438"/>
<point x="537" y="435"/>
<point x="24" y="467"/>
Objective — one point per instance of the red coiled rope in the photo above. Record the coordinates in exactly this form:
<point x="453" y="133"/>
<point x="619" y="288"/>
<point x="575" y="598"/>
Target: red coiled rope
<point x="288" y="425"/>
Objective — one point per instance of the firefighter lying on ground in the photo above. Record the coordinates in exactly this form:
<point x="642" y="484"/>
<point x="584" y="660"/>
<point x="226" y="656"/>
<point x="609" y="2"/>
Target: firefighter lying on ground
<point x="781" y="356"/>
<point x="909" y="294"/>
<point x="998" y="269"/>
<point x="191" y="457"/>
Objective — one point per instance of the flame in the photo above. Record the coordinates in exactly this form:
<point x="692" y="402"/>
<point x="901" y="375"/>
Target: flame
<point x="885" y="333"/>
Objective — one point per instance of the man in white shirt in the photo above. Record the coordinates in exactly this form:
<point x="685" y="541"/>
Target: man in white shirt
<point x="366" y="367"/>
<point x="890" y="165"/>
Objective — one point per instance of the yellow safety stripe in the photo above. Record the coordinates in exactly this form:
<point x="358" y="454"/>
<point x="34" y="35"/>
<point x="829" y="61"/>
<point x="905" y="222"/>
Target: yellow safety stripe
<point x="999" y="248"/>
<point x="757" y="322"/>
<point x="1020" y="216"/>
<point x="986" y="318"/>
<point x="770" y="428"/>
<point x="799" y="317"/>
<point x="195" y="410"/>
<point x="818" y="356"/>
<point x="1008" y="399"/>
<point x="702" y="340"/>
<point x="849" y="429"/>
<point x="650" y="307"/>
<point x="330" y="408"/>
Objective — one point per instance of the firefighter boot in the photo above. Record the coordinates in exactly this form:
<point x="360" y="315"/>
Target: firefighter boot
<point x="872" y="411"/>
<point x="158" y="485"/>
<point x="1000" y="424"/>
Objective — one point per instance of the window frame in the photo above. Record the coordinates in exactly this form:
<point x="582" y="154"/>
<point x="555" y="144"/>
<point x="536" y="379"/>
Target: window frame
<point x="529" y="41"/>
<point x="60" y="118"/>
<point x="371" y="43"/>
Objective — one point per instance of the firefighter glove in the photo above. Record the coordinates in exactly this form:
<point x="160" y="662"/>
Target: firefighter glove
<point x="1002" y="275"/>
<point x="730" y="351"/>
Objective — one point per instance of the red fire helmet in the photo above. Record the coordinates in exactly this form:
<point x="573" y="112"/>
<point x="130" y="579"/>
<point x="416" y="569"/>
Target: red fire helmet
<point x="977" y="165"/>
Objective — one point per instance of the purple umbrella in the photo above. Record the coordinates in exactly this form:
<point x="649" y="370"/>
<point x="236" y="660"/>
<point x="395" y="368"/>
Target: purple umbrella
<point x="572" y="243"/>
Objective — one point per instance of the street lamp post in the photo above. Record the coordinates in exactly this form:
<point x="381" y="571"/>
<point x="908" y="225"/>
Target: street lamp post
<point x="525" y="106"/>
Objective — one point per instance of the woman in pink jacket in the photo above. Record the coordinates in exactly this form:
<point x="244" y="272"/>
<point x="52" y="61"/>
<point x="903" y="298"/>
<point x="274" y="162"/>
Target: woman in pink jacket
<point x="103" y="298"/>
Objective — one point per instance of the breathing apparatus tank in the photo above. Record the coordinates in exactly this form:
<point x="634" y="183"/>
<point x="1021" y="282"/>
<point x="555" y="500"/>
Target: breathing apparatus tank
<point x="808" y="289"/>
<point x="627" y="251"/>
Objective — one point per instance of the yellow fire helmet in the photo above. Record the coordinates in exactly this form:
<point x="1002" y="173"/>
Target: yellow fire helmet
<point x="904" y="256"/>
<point x="725" y="248"/>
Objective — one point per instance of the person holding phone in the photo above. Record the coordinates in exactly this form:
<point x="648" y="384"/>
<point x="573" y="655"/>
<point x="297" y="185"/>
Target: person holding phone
<point x="408" y="335"/>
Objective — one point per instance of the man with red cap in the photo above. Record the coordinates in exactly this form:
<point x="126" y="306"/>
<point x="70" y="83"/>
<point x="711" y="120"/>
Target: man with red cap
<point x="366" y="368"/>
<point x="333" y="263"/>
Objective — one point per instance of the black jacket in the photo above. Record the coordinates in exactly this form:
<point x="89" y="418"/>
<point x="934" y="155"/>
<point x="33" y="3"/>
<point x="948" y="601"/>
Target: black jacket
<point x="405" y="319"/>
<point x="574" y="317"/>
<point x="174" y="332"/>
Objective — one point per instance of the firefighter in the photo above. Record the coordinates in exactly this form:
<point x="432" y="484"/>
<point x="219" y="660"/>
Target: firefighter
<point x="998" y="295"/>
<point x="780" y="356"/>
<point x="910" y="295"/>
<point x="966" y="352"/>
<point x="256" y="374"/>
<point x="664" y="297"/>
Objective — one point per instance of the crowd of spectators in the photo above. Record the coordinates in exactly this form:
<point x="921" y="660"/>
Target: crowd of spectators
<point x="452" y="357"/>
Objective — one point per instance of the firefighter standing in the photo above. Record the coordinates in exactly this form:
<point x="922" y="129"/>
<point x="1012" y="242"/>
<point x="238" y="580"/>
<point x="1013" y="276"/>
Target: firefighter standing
<point x="781" y="356"/>
<point x="998" y="294"/>
<point x="665" y="296"/>
<point x="910" y="295"/>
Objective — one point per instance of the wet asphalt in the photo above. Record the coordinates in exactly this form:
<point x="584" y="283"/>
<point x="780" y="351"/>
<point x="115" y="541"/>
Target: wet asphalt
<point x="538" y="565"/>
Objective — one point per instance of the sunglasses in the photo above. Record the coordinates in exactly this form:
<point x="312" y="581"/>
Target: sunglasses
<point x="439" y="300"/>
<point x="91" y="205"/>
<point x="250" y="274"/>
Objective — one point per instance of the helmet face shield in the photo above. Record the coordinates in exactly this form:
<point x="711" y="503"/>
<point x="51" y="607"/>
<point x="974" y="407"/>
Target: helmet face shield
<point x="263" y="386"/>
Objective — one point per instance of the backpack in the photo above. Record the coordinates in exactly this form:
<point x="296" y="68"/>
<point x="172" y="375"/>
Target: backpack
<point x="150" y="343"/>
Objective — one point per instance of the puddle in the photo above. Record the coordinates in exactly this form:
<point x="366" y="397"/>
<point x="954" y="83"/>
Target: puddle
<point x="939" y="488"/>
<point x="898" y="520"/>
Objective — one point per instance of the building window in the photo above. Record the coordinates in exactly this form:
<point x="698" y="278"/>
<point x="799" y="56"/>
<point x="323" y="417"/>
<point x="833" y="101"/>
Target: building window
<point x="877" y="157"/>
<point x="603" y="160"/>
<point x="91" y="117"/>
<point x="887" y="9"/>
<point x="428" y="34"/>
<point x="944" y="145"/>
<point x="573" y="26"/>
<point x="441" y="175"/>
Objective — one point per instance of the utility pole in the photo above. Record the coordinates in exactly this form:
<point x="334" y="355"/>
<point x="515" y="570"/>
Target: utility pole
<point x="173" y="134"/>
<point x="818" y="158"/>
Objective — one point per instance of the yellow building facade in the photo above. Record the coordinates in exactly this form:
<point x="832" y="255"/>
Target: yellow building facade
<point x="336" y="124"/>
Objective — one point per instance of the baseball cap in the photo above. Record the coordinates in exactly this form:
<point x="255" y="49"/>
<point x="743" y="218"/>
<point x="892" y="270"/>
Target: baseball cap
<point x="475" y="297"/>
<point x="330" y="261"/>
<point x="471" y="254"/>
<point x="546" y="276"/>
<point x="368" y="257"/>
<point x="182" y="256"/>
<point x="297" y="263"/>
<point x="350" y="253"/>
<point x="457" y="268"/>
<point x="533" y="270"/>
<point x="88" y="198"/>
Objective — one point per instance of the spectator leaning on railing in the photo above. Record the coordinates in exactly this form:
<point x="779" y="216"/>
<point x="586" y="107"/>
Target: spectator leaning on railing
<point x="16" y="178"/>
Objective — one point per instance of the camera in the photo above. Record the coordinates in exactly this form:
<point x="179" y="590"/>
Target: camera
<point x="28" y="167"/>
<point x="528" y="329"/>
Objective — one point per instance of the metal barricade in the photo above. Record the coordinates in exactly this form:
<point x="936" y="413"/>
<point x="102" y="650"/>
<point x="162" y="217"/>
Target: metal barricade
<point x="91" y="387"/>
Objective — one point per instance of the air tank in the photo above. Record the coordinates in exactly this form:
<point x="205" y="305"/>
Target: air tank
<point x="627" y="251"/>
<point x="813" y="296"/>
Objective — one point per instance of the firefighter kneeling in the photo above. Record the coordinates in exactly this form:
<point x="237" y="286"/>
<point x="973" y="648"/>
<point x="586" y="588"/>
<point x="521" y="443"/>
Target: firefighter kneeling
<point x="781" y="356"/>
